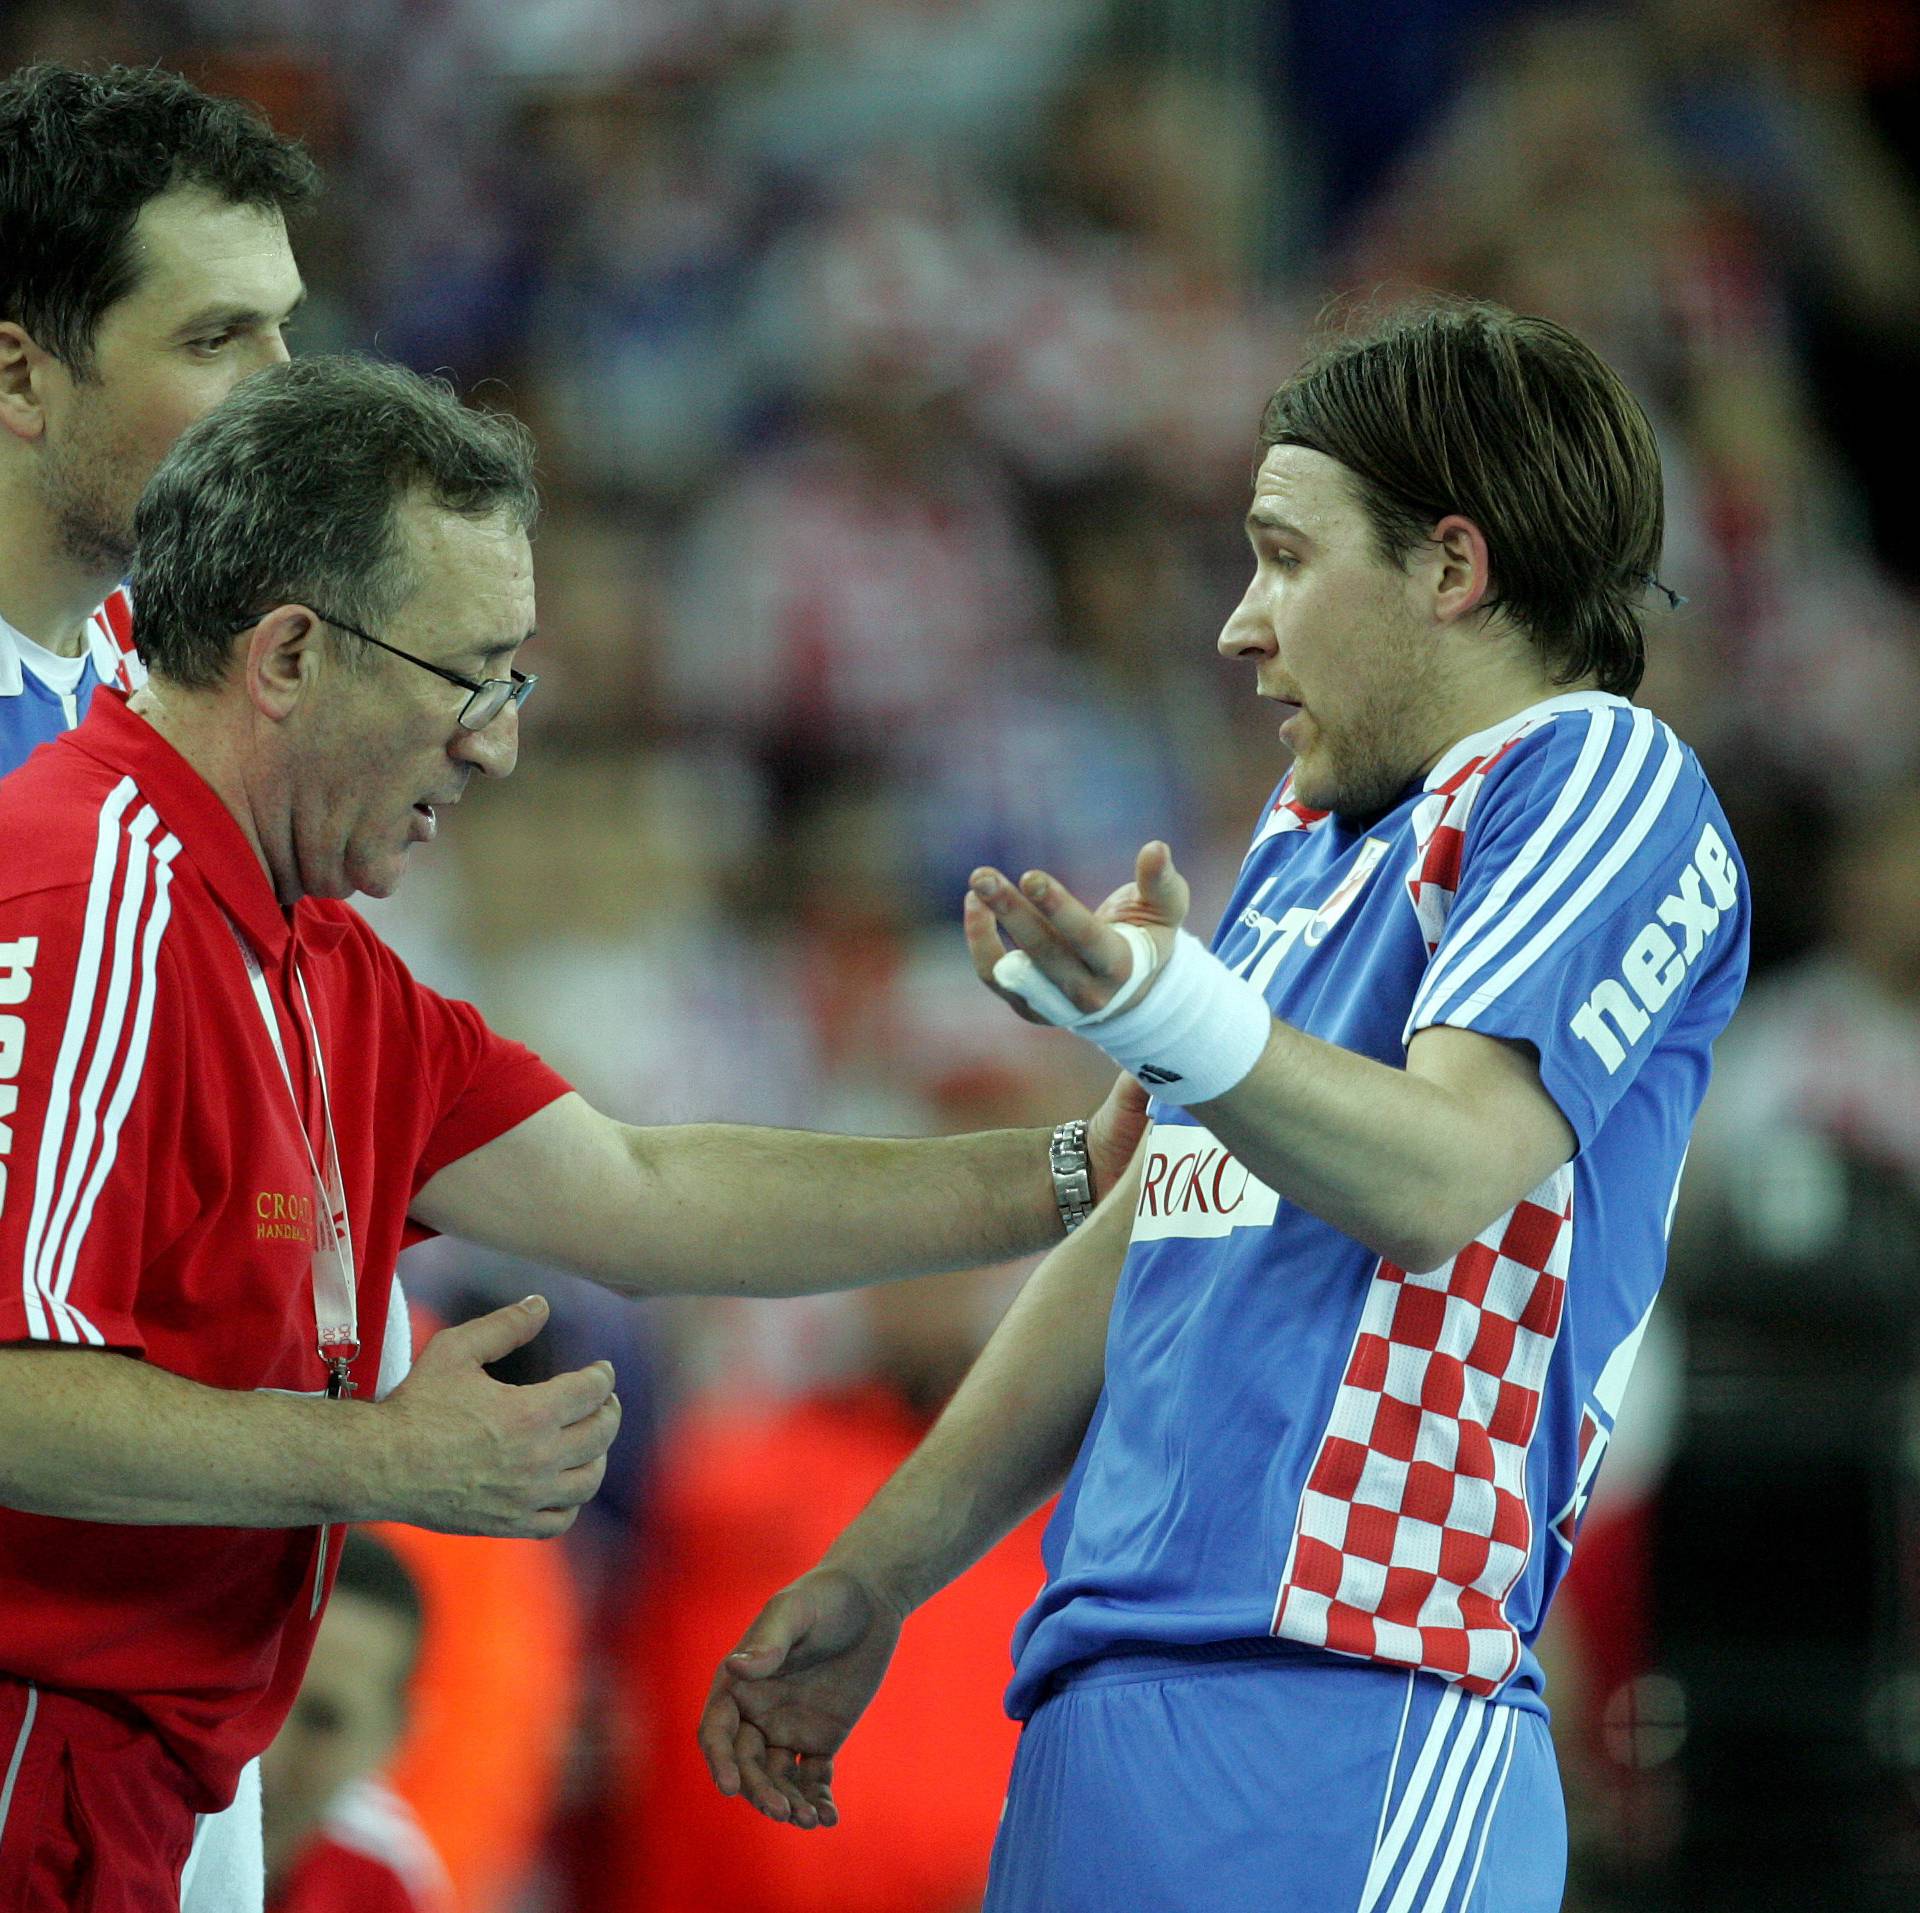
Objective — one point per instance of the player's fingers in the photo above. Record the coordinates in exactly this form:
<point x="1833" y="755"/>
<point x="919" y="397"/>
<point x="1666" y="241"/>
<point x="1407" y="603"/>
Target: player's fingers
<point x="783" y="1769"/>
<point x="719" y="1723"/>
<point x="1102" y="949"/>
<point x="756" y="1786"/>
<point x="813" y="1775"/>
<point x="1012" y="913"/>
<point x="1086" y="983"/>
<point x="1162" y="889"/>
<point x="983" y="939"/>
<point x="985" y="949"/>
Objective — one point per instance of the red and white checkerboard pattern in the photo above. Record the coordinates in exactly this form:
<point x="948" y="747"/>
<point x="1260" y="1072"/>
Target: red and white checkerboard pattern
<point x="1414" y="1523"/>
<point x="1440" y="834"/>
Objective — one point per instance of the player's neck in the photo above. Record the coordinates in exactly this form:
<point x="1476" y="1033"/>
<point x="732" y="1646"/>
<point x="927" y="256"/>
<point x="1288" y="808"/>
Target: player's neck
<point x="45" y="593"/>
<point x="1489" y="692"/>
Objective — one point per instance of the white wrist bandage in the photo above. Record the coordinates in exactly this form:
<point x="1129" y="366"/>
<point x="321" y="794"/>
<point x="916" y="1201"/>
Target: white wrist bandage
<point x="1193" y="1039"/>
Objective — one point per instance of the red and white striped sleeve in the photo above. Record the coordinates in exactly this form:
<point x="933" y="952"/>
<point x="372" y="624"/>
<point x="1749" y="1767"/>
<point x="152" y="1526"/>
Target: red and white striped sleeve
<point x="81" y="1022"/>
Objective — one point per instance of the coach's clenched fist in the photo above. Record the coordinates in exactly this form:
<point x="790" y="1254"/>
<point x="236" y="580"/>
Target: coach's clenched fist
<point x="470" y="1455"/>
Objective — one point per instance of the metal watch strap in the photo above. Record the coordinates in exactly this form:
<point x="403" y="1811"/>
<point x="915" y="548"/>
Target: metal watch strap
<point x="1072" y="1173"/>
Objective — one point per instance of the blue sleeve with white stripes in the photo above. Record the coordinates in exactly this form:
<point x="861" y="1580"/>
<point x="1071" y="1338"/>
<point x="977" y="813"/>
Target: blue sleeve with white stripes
<point x="1600" y="894"/>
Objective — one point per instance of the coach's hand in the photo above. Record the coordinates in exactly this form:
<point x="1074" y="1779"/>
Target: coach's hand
<point x="469" y="1455"/>
<point x="1076" y="949"/>
<point x="790" y="1693"/>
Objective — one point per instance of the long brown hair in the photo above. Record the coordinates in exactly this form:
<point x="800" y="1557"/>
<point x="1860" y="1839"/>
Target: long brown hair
<point x="1452" y="405"/>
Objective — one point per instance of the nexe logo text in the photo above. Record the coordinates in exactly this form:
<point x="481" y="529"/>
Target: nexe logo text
<point x="1655" y="964"/>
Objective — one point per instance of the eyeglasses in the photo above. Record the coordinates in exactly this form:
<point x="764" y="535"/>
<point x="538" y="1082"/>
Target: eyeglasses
<point x="489" y="696"/>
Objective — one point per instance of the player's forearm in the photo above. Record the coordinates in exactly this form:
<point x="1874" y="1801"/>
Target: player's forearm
<point x="96" y="1436"/>
<point x="730" y="1210"/>
<point x="1010" y="1434"/>
<point x="1405" y="1165"/>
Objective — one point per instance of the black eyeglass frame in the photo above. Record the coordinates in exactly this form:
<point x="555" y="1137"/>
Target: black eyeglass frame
<point x="515" y="688"/>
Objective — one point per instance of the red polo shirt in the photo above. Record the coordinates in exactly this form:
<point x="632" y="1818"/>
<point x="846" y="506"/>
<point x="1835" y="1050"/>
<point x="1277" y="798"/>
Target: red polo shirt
<point x="156" y="1195"/>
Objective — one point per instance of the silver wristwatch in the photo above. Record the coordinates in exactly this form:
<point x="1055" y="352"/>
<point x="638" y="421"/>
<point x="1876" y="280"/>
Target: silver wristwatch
<point x="1072" y="1173"/>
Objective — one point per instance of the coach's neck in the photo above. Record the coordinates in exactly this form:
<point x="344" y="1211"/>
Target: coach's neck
<point x="239" y="753"/>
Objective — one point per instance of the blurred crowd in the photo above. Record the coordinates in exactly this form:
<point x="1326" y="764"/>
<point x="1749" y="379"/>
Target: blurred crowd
<point x="895" y="365"/>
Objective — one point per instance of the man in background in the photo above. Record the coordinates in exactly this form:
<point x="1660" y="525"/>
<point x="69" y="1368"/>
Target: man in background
<point x="145" y="272"/>
<point x="336" y="1840"/>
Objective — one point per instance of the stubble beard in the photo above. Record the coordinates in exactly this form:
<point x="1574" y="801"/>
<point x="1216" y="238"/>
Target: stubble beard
<point x="1375" y="755"/>
<point x="84" y="492"/>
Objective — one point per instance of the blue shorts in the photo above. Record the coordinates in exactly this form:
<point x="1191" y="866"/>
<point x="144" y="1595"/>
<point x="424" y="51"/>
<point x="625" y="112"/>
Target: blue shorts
<point x="1255" y="1776"/>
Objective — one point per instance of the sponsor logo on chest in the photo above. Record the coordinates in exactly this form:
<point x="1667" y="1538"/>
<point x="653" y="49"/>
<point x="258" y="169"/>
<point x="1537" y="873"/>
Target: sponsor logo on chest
<point x="1193" y="1186"/>
<point x="1305" y="924"/>
<point x="16" y="985"/>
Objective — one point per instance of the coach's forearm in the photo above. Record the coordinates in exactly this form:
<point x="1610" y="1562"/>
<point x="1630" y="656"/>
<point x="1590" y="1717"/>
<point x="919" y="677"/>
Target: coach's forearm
<point x="722" y="1209"/>
<point x="1010" y="1434"/>
<point x="766" y="1211"/>
<point x="96" y="1436"/>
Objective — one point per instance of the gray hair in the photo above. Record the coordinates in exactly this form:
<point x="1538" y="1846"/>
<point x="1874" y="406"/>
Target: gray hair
<point x="290" y="491"/>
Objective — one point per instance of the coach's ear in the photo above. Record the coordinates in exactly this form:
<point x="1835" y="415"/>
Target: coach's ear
<point x="22" y="412"/>
<point x="280" y="659"/>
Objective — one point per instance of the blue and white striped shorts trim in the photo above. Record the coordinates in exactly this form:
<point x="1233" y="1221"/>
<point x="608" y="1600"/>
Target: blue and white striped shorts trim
<point x="1275" y="1781"/>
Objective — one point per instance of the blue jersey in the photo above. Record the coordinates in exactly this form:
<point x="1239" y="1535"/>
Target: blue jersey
<point x="1298" y="1438"/>
<point x="33" y="713"/>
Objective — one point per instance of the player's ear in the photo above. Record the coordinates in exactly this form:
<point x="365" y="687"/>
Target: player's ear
<point x="280" y="660"/>
<point x="22" y="363"/>
<point x="1460" y="569"/>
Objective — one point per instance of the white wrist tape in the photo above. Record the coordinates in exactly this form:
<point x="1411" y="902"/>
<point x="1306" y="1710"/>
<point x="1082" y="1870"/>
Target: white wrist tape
<point x="1193" y="1039"/>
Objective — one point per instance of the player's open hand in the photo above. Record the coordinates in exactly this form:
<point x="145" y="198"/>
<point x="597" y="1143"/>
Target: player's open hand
<point x="1076" y="949"/>
<point x="790" y="1693"/>
<point x="469" y="1455"/>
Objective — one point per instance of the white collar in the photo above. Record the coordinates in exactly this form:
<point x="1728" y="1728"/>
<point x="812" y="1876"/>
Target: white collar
<point x="105" y="654"/>
<point x="1482" y="743"/>
<point x="12" y="672"/>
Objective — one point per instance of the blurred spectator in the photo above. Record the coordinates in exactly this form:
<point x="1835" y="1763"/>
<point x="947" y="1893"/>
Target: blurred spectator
<point x="602" y="614"/>
<point x="1568" y="181"/>
<point x="336" y="1840"/>
<point x="494" y="1706"/>
<point x="1827" y="1056"/>
<point x="1760" y="105"/>
<point x="1135" y="332"/>
<point x="840" y="78"/>
<point x="851" y="591"/>
<point x="641" y="364"/>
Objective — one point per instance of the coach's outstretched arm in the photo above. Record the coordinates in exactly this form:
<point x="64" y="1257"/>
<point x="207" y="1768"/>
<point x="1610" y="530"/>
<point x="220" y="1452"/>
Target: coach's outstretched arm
<point x="784" y="1700"/>
<point x="1412" y="1162"/>
<point x="719" y="1209"/>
